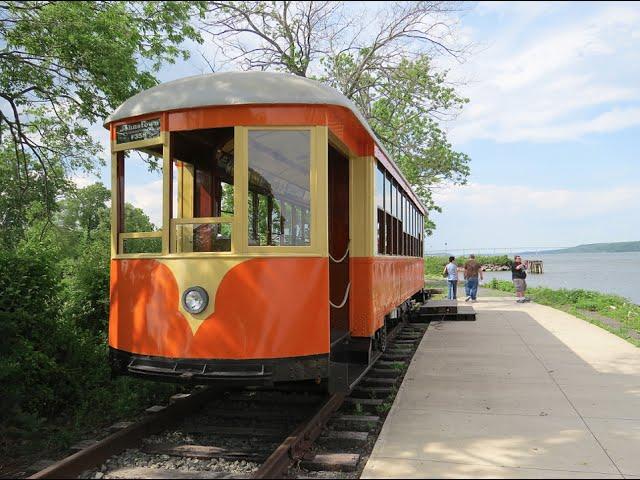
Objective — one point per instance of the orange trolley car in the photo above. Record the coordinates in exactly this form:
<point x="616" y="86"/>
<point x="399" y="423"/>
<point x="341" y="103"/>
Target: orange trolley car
<point x="289" y="239"/>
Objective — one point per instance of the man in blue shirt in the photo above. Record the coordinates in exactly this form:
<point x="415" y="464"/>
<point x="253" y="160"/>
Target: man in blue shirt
<point x="451" y="272"/>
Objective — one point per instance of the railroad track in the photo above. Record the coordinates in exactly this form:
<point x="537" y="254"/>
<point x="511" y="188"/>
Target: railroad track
<point x="251" y="434"/>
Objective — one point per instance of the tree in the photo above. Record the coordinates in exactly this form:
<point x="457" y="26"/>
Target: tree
<point x="64" y="65"/>
<point x="23" y="203"/>
<point x="85" y="209"/>
<point x="382" y="61"/>
<point x="405" y="107"/>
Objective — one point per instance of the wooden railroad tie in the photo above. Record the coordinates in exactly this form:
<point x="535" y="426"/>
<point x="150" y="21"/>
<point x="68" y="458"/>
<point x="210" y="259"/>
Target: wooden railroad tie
<point x="334" y="462"/>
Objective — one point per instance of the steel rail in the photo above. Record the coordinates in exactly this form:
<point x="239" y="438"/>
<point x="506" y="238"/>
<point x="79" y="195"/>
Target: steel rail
<point x="292" y="449"/>
<point x="91" y="457"/>
<point x="300" y="441"/>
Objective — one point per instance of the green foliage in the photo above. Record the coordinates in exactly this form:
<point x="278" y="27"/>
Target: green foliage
<point x="85" y="209"/>
<point x="86" y="286"/>
<point x="66" y="64"/>
<point x="21" y="202"/>
<point x="387" y="70"/>
<point x="592" y="306"/>
<point x="502" y="285"/>
<point x="434" y="265"/>
<point x="53" y="328"/>
<point x="403" y="105"/>
<point x="399" y="366"/>
<point x="384" y="408"/>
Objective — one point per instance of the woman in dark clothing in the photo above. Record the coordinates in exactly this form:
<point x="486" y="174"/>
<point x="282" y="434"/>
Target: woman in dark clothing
<point x="519" y="274"/>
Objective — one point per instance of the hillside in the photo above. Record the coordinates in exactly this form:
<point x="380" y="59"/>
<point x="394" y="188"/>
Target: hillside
<point x="601" y="248"/>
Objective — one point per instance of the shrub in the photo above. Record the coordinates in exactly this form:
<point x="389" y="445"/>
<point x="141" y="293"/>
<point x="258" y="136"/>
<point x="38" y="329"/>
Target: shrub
<point x="434" y="265"/>
<point x="53" y="367"/>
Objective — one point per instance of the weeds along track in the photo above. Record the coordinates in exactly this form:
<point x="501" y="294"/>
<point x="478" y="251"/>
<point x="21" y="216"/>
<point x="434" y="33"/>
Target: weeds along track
<point x="252" y="434"/>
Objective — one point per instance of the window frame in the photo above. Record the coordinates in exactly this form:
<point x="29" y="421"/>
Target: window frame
<point x="316" y="171"/>
<point x="118" y="235"/>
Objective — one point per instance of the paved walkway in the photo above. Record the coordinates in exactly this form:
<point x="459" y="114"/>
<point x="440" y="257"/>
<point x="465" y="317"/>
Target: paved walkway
<point x="526" y="391"/>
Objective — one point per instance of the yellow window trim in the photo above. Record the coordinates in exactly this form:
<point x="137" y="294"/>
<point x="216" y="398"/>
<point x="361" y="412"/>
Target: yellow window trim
<point x="318" y="192"/>
<point x="200" y="220"/>
<point x="136" y="235"/>
<point x="319" y="139"/>
<point x="167" y="197"/>
<point x="114" y="205"/>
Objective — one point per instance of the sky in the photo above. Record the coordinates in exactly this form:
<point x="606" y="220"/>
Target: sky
<point x="552" y="128"/>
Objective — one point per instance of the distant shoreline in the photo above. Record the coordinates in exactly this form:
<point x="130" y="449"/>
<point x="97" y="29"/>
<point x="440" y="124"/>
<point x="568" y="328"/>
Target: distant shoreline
<point x="615" y="247"/>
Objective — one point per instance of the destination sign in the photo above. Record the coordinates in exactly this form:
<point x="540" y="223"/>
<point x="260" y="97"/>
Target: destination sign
<point x="134" y="132"/>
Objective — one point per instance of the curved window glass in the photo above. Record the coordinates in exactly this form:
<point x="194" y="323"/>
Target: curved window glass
<point x="279" y="187"/>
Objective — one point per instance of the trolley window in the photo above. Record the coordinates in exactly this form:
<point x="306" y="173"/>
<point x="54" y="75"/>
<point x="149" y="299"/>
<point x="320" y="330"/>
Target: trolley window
<point x="399" y="222"/>
<point x="139" y="205"/>
<point x="205" y="190"/>
<point x="279" y="201"/>
<point x="381" y="215"/>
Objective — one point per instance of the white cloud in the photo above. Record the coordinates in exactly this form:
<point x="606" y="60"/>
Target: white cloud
<point x="487" y="216"/>
<point x="147" y="197"/>
<point x="84" y="180"/>
<point x="559" y="75"/>
<point x="515" y="200"/>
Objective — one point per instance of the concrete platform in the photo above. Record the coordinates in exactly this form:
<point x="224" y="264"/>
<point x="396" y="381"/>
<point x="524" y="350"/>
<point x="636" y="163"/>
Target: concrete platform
<point x="526" y="391"/>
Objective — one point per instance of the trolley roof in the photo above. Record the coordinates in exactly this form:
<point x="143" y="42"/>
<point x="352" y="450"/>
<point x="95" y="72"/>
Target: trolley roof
<point x="239" y="88"/>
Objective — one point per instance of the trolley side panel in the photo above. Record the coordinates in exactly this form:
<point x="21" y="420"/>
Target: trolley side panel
<point x="378" y="286"/>
<point x="264" y="308"/>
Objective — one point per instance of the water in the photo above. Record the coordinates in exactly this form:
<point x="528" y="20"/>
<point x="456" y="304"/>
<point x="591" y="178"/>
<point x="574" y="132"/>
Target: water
<point x="615" y="273"/>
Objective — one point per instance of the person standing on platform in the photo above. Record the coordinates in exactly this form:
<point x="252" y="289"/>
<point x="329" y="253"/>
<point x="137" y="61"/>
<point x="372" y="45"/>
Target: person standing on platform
<point x="519" y="275"/>
<point x="472" y="270"/>
<point x="451" y="272"/>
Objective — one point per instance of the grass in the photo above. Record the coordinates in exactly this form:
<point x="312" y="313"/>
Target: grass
<point x="611" y="312"/>
<point x="385" y="407"/>
<point x="433" y="266"/>
<point x="400" y="366"/>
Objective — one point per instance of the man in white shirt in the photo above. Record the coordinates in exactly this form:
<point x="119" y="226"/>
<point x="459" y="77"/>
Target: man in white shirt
<point x="451" y="272"/>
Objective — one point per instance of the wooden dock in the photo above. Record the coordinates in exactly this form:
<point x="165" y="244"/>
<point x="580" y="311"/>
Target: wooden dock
<point x="536" y="266"/>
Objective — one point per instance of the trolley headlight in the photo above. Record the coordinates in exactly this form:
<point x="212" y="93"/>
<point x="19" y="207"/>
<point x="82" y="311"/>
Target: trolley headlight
<point x="195" y="299"/>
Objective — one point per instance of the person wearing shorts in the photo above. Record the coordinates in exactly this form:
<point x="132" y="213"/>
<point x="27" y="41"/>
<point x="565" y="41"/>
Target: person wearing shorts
<point x="519" y="275"/>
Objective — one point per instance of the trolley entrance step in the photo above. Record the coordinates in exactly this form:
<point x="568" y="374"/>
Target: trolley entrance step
<point x="439" y="306"/>
<point x="445" y="310"/>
